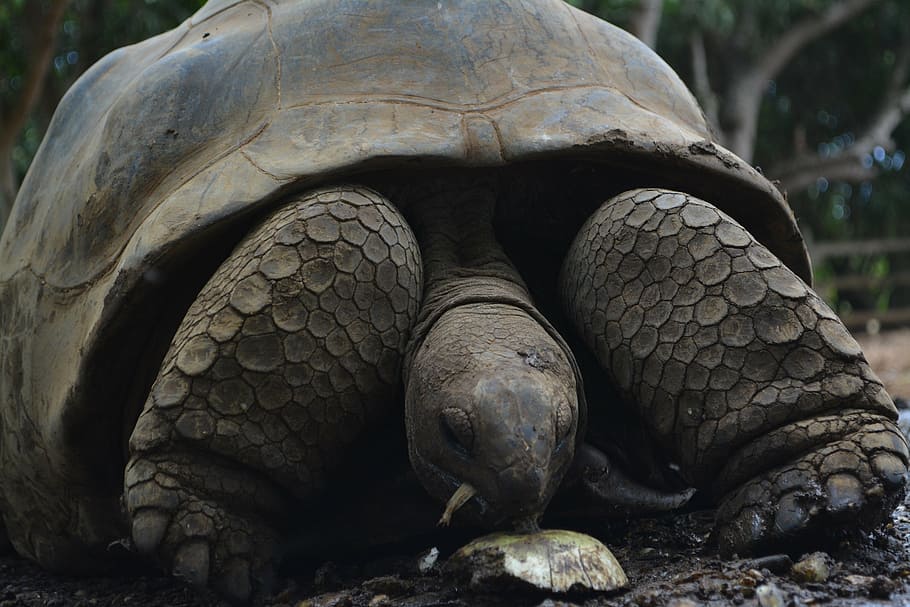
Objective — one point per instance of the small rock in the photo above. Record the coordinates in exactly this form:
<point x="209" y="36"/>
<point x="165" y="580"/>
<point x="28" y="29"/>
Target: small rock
<point x="858" y="580"/>
<point x="681" y="603"/>
<point x="748" y="582"/>
<point x="649" y="597"/>
<point x="769" y="595"/>
<point x="812" y="568"/>
<point x="380" y="600"/>
<point x="878" y="587"/>
<point x="882" y="588"/>
<point x="711" y="585"/>
<point x="428" y="560"/>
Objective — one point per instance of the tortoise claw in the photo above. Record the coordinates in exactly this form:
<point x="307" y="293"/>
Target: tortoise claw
<point x="202" y="538"/>
<point x="791" y="516"/>
<point x="845" y="494"/>
<point x="891" y="470"/>
<point x="851" y="483"/>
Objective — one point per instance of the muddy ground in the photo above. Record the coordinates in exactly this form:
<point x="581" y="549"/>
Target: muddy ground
<point x="671" y="561"/>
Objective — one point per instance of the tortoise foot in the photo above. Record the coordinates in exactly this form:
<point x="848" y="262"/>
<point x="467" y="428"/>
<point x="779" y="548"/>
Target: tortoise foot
<point x="181" y="519"/>
<point x="286" y="356"/>
<point x="757" y="390"/>
<point x="850" y="483"/>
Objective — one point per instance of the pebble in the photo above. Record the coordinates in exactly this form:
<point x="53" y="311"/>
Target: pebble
<point x="858" y="580"/>
<point x="769" y="595"/>
<point x="878" y="587"/>
<point x="751" y="578"/>
<point x="812" y="568"/>
<point x="428" y="560"/>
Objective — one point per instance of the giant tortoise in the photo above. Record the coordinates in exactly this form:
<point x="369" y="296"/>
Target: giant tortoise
<point x="251" y="248"/>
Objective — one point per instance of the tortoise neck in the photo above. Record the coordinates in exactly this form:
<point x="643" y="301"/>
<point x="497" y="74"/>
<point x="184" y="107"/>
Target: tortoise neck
<point x="462" y="260"/>
<point x="453" y="222"/>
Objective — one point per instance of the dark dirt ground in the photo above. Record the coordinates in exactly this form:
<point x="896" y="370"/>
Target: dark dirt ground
<point x="670" y="560"/>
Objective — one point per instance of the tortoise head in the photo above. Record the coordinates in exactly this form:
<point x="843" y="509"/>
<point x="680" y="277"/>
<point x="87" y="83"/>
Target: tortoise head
<point x="492" y="409"/>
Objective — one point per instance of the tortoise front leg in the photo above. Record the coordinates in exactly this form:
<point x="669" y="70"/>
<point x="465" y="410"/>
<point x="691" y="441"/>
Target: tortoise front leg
<point x="756" y="388"/>
<point x="288" y="353"/>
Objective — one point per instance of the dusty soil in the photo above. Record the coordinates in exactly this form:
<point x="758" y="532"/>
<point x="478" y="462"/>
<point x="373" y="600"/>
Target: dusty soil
<point x="671" y="561"/>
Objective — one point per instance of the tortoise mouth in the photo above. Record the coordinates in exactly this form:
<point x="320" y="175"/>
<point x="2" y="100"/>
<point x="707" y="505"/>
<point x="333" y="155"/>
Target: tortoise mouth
<point x="442" y="485"/>
<point x="505" y="510"/>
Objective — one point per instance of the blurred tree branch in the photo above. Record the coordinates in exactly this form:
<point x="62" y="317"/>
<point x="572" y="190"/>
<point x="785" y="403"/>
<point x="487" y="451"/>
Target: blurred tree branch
<point x="801" y="171"/>
<point x="701" y="82"/>
<point x="739" y="116"/>
<point x="41" y="46"/>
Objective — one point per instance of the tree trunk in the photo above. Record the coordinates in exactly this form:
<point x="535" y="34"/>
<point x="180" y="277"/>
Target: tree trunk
<point x="739" y="119"/>
<point x="46" y="26"/>
<point x="646" y="21"/>
<point x="8" y="187"/>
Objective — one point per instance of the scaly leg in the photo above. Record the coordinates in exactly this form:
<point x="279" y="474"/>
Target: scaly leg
<point x="755" y="387"/>
<point x="288" y="353"/>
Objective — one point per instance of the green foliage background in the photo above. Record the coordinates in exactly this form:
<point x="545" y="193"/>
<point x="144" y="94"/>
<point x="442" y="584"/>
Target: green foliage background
<point x="90" y="29"/>
<point x="824" y="99"/>
<point x="830" y="91"/>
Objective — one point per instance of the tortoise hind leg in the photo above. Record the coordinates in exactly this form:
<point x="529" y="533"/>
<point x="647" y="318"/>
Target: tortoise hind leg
<point x="287" y="354"/>
<point x="755" y="387"/>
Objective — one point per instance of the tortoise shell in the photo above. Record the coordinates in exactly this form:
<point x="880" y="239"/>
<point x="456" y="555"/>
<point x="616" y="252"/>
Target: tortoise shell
<point x="164" y="148"/>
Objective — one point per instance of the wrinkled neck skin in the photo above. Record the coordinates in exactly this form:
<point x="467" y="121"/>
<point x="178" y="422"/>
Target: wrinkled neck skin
<point x="491" y="390"/>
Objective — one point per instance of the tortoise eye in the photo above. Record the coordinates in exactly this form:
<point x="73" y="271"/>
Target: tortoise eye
<point x="457" y="429"/>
